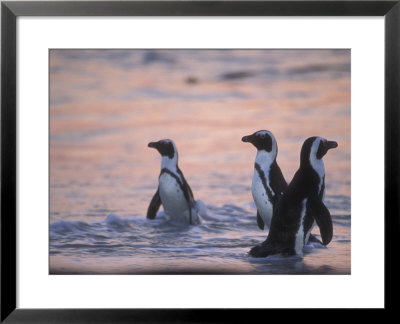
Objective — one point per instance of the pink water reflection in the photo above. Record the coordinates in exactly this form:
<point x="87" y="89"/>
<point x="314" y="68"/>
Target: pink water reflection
<point x="107" y="105"/>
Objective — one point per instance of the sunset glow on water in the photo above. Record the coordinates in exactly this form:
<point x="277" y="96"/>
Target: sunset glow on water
<point x="107" y="105"/>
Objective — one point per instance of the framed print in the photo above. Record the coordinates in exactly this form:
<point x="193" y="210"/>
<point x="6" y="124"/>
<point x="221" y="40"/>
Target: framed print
<point x="100" y="224"/>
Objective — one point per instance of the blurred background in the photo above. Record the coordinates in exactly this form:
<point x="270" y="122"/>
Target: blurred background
<point x="106" y="105"/>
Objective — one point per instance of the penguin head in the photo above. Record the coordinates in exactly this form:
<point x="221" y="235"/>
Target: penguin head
<point x="165" y="147"/>
<point x="262" y="140"/>
<point x="314" y="148"/>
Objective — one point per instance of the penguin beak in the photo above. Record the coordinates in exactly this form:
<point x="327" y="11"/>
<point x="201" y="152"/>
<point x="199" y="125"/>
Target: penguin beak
<point x="246" y="139"/>
<point x="323" y="149"/>
<point x="153" y="144"/>
<point x="331" y="145"/>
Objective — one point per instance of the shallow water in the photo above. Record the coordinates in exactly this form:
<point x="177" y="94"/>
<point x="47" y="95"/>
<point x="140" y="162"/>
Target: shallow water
<point x="105" y="106"/>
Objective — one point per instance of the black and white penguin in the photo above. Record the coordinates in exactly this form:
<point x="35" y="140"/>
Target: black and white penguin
<point x="173" y="192"/>
<point x="268" y="182"/>
<point x="300" y="205"/>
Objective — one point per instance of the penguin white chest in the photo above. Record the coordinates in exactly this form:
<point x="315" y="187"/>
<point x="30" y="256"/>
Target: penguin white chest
<point x="261" y="199"/>
<point x="299" y="240"/>
<point x="172" y="198"/>
<point x="319" y="168"/>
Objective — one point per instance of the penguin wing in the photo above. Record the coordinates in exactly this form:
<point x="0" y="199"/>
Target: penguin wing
<point x="313" y="239"/>
<point x="323" y="218"/>
<point x="260" y="221"/>
<point x="278" y="182"/>
<point x="155" y="204"/>
<point x="187" y="191"/>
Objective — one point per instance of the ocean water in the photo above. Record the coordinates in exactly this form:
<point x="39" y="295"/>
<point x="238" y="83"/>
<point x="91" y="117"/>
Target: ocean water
<point x="106" y="105"/>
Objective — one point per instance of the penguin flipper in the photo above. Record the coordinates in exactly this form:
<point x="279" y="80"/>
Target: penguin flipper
<point x="260" y="221"/>
<point x="323" y="218"/>
<point x="187" y="191"/>
<point x="155" y="204"/>
<point x="278" y="182"/>
<point x="313" y="239"/>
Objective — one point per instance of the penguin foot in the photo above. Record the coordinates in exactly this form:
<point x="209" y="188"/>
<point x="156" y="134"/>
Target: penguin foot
<point x="271" y="248"/>
<point x="255" y="251"/>
<point x="262" y="251"/>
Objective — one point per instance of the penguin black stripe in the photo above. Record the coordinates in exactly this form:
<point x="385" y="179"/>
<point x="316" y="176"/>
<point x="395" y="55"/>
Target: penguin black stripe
<point x="165" y="170"/>
<point x="264" y="182"/>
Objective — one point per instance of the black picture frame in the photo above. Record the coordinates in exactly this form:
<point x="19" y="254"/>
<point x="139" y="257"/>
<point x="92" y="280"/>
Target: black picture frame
<point x="10" y="10"/>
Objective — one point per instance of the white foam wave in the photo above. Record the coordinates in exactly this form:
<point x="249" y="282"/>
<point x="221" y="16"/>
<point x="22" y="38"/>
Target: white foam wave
<point x="201" y="208"/>
<point x="62" y="226"/>
<point x="114" y="220"/>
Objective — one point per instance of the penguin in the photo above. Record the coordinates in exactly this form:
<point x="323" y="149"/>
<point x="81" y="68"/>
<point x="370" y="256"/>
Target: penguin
<point x="300" y="205"/>
<point x="173" y="191"/>
<point x="268" y="182"/>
